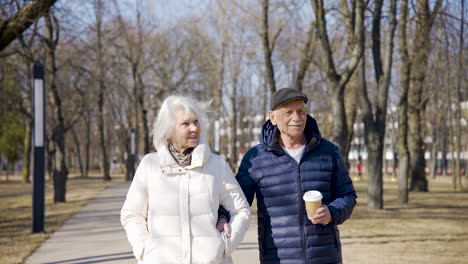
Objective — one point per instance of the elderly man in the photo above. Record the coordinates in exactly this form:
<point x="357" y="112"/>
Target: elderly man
<point x="291" y="159"/>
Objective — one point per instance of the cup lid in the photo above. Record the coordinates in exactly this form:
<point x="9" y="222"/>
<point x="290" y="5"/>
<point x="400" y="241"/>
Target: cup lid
<point x="312" y="196"/>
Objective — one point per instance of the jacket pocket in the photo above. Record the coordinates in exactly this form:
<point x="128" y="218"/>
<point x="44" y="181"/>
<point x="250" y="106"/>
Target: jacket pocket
<point x="149" y="247"/>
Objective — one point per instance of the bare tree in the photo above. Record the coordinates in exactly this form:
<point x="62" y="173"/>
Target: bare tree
<point x="416" y="99"/>
<point x="458" y="117"/>
<point x="374" y="117"/>
<point x="218" y="89"/>
<point x="337" y="82"/>
<point x="59" y="170"/>
<point x="268" y="47"/>
<point x="306" y="58"/>
<point x="28" y="55"/>
<point x="403" y="152"/>
<point x="100" y="76"/>
<point x="120" y="105"/>
<point x="133" y="53"/>
<point x="357" y="79"/>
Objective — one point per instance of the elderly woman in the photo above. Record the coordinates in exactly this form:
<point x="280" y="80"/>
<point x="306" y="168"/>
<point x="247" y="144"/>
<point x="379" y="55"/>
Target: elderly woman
<point x="171" y="209"/>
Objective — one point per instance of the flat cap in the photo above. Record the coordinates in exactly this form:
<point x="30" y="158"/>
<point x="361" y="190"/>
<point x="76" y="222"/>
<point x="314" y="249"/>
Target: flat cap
<point x="285" y="95"/>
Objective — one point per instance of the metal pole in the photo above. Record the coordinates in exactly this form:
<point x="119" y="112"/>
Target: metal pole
<point x="131" y="159"/>
<point x="39" y="150"/>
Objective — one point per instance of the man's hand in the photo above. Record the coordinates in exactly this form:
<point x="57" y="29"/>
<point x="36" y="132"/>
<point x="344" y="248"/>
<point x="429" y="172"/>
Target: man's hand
<point x="223" y="226"/>
<point x="322" y="216"/>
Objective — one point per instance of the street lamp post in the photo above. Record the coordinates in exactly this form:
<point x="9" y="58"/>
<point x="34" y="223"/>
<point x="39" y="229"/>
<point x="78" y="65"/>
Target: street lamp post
<point x="39" y="150"/>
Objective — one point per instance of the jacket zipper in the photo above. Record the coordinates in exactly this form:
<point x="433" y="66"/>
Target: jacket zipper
<point x="301" y="215"/>
<point x="302" y="209"/>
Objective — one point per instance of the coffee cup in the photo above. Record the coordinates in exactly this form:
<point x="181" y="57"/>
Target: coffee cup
<point x="313" y="201"/>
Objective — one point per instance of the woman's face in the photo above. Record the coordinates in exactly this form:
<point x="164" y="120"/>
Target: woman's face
<point x="186" y="132"/>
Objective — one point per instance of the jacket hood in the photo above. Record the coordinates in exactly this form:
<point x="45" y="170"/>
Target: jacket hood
<point x="270" y="133"/>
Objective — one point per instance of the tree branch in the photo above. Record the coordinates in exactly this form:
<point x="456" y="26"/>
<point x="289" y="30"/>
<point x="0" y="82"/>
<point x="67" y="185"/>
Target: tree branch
<point x="11" y="28"/>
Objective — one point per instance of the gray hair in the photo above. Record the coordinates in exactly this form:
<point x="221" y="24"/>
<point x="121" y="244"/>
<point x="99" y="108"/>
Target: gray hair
<point x="166" y="120"/>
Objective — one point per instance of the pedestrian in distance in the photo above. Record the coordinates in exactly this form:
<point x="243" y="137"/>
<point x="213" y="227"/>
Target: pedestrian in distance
<point x="359" y="168"/>
<point x="171" y="209"/>
<point x="291" y="159"/>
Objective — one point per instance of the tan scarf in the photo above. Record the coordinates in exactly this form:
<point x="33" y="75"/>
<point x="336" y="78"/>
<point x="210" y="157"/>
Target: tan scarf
<point x="183" y="159"/>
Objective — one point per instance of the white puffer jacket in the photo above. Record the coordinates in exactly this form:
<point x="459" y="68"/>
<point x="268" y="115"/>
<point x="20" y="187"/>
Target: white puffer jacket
<point x="170" y="212"/>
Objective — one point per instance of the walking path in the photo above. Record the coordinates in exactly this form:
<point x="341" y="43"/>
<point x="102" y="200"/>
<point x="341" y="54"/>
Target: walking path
<point x="94" y="235"/>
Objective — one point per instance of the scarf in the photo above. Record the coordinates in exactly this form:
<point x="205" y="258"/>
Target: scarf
<point x="183" y="159"/>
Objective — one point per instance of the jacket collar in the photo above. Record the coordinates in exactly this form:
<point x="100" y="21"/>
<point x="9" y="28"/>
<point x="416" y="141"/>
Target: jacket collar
<point x="200" y="156"/>
<point x="270" y="135"/>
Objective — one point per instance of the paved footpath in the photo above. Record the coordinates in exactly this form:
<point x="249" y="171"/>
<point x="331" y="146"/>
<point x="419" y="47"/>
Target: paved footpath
<point x="94" y="235"/>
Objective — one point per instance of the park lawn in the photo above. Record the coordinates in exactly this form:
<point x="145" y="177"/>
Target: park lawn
<point x="432" y="228"/>
<point x="16" y="240"/>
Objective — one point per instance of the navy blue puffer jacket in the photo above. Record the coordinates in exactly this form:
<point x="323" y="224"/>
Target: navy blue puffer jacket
<point x="286" y="235"/>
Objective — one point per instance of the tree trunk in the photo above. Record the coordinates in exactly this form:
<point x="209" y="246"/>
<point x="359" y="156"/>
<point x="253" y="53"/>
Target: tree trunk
<point x="374" y="171"/>
<point x="219" y="84"/>
<point x="458" y="114"/>
<point x="87" y="145"/>
<point x="415" y="137"/>
<point x="126" y="145"/>
<point x="351" y="105"/>
<point x="101" y="92"/>
<point x="27" y="153"/>
<point x="416" y="124"/>
<point x="373" y="146"/>
<point x="144" y="116"/>
<point x="59" y="171"/>
<point x="235" y="72"/>
<point x="102" y="138"/>
<point x="146" y="132"/>
<point x="136" y="111"/>
<point x="233" y="128"/>
<point x="403" y="173"/>
<point x="340" y="127"/>
<point x="352" y="91"/>
<point x="374" y="123"/>
<point x="265" y="100"/>
<point x="78" y="152"/>
<point x="444" y="158"/>
<point x="403" y="152"/>
<point x="433" y="162"/>
<point x="267" y="50"/>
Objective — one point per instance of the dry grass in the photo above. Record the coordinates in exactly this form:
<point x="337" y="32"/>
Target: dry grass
<point x="432" y="228"/>
<point x="16" y="240"/>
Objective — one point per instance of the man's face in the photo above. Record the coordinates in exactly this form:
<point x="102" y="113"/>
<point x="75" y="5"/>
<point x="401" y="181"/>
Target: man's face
<point x="290" y="118"/>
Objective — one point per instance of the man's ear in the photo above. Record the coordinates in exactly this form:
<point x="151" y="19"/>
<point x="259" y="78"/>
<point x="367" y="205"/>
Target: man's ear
<point x="272" y="117"/>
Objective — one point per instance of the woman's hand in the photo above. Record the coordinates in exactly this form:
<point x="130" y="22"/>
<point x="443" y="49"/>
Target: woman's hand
<point x="223" y="226"/>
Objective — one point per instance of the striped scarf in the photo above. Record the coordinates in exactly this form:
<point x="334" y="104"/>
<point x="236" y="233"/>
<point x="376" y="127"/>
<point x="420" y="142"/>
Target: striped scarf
<point x="183" y="159"/>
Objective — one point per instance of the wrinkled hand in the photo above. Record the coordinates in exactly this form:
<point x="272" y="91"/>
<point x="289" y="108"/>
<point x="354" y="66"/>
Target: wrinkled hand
<point x="223" y="226"/>
<point x="322" y="216"/>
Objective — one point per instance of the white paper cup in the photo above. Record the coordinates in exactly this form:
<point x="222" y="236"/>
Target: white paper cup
<point x="313" y="201"/>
